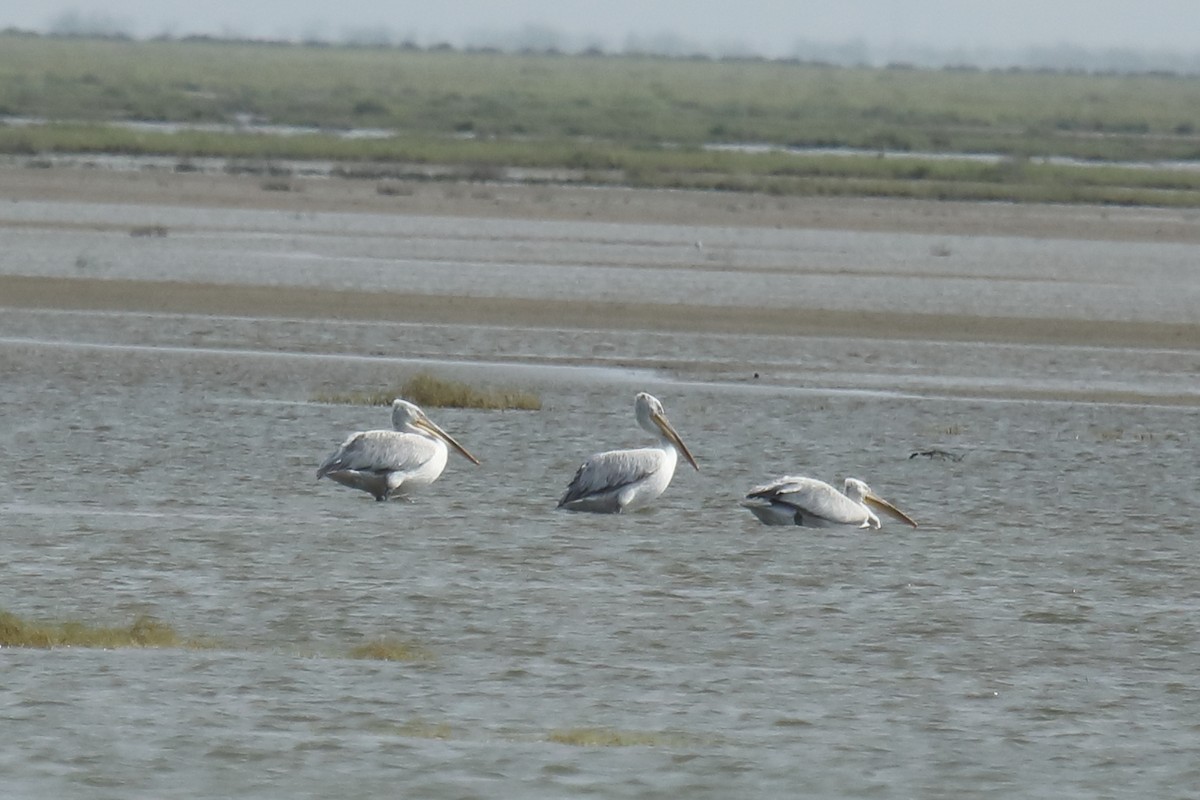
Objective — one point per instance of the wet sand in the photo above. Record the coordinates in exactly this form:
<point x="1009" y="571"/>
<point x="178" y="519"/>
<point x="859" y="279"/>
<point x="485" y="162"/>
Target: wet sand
<point x="307" y="303"/>
<point x="165" y="188"/>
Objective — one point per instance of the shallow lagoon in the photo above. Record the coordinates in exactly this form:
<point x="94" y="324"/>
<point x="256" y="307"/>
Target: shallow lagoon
<point x="1035" y="637"/>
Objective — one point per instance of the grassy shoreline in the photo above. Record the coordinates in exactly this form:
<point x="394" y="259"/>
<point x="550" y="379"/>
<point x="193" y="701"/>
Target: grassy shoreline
<point x="629" y="121"/>
<point x="774" y="173"/>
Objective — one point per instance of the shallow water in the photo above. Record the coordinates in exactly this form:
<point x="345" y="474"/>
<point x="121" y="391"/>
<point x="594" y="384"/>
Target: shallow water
<point x="1037" y="636"/>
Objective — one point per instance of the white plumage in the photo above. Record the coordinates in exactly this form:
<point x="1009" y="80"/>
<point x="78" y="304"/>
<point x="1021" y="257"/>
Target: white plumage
<point x="623" y="480"/>
<point x="794" y="500"/>
<point x="384" y="463"/>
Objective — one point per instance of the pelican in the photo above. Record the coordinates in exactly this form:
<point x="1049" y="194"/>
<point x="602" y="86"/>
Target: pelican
<point x="622" y="480"/>
<point x="393" y="462"/>
<point x="792" y="500"/>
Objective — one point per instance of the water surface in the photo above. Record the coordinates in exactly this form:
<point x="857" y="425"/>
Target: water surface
<point x="1037" y="636"/>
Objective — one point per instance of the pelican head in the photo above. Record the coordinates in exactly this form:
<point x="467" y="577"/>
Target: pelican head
<point x="859" y="492"/>
<point x="409" y="416"/>
<point x="651" y="417"/>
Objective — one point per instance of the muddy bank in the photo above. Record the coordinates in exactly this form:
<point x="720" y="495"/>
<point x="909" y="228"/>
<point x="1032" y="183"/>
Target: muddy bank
<point x="307" y="194"/>
<point x="310" y="303"/>
<point x="1034" y="275"/>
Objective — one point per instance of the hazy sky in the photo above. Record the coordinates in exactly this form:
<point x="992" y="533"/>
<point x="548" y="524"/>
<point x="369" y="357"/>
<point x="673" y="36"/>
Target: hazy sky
<point x="768" y="27"/>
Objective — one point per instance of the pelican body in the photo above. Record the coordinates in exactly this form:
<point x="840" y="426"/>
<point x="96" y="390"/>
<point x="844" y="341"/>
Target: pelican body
<point x="811" y="503"/>
<point x="384" y="463"/>
<point x="624" y="480"/>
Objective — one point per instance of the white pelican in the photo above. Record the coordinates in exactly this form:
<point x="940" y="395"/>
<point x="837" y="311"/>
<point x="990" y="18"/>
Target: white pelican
<point x="622" y="480"/>
<point x="792" y="500"/>
<point x="385" y="462"/>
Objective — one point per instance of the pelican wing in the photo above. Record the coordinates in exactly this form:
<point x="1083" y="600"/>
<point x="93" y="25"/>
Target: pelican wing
<point x="379" y="451"/>
<point x="812" y="499"/>
<point x="608" y="473"/>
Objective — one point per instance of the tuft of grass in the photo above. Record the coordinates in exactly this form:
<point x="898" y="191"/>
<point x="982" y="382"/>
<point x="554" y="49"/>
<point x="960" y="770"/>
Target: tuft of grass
<point x="389" y="649"/>
<point x="366" y="397"/>
<point x="143" y="632"/>
<point x="426" y="389"/>
<point x="607" y="737"/>
<point x="418" y="729"/>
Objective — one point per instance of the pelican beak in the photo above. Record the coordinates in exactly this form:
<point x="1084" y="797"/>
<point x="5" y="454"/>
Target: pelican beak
<point x="879" y="503"/>
<point x="437" y="431"/>
<point x="664" y="425"/>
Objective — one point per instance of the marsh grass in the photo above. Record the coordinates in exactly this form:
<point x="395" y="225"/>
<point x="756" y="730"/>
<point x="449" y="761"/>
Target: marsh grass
<point x="428" y="390"/>
<point x="390" y="649"/>
<point x="422" y="158"/>
<point x="636" y="121"/>
<point x="143" y="632"/>
<point x="419" y="729"/>
<point x="629" y="99"/>
<point x="608" y="737"/>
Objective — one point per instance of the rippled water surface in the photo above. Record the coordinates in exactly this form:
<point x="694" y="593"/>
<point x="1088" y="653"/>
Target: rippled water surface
<point x="1037" y="636"/>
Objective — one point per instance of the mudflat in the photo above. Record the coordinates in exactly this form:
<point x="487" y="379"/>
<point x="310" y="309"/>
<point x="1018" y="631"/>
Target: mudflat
<point x="164" y="188"/>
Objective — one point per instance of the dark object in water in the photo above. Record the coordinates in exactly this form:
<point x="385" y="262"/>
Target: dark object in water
<point x="935" y="453"/>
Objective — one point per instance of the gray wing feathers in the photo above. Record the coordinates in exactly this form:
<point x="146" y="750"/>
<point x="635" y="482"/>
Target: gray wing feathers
<point x="610" y="472"/>
<point x="379" y="451"/>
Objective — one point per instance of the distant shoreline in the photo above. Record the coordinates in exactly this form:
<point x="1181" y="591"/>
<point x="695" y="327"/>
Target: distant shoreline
<point x="547" y="41"/>
<point x="744" y="126"/>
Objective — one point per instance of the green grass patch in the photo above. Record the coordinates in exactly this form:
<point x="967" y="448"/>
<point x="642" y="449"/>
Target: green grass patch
<point x="143" y="632"/>
<point x="428" y="390"/>
<point x="390" y="649"/>
<point x="780" y="173"/>
<point x="419" y="729"/>
<point x="628" y="99"/>
<point x="608" y="737"/>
